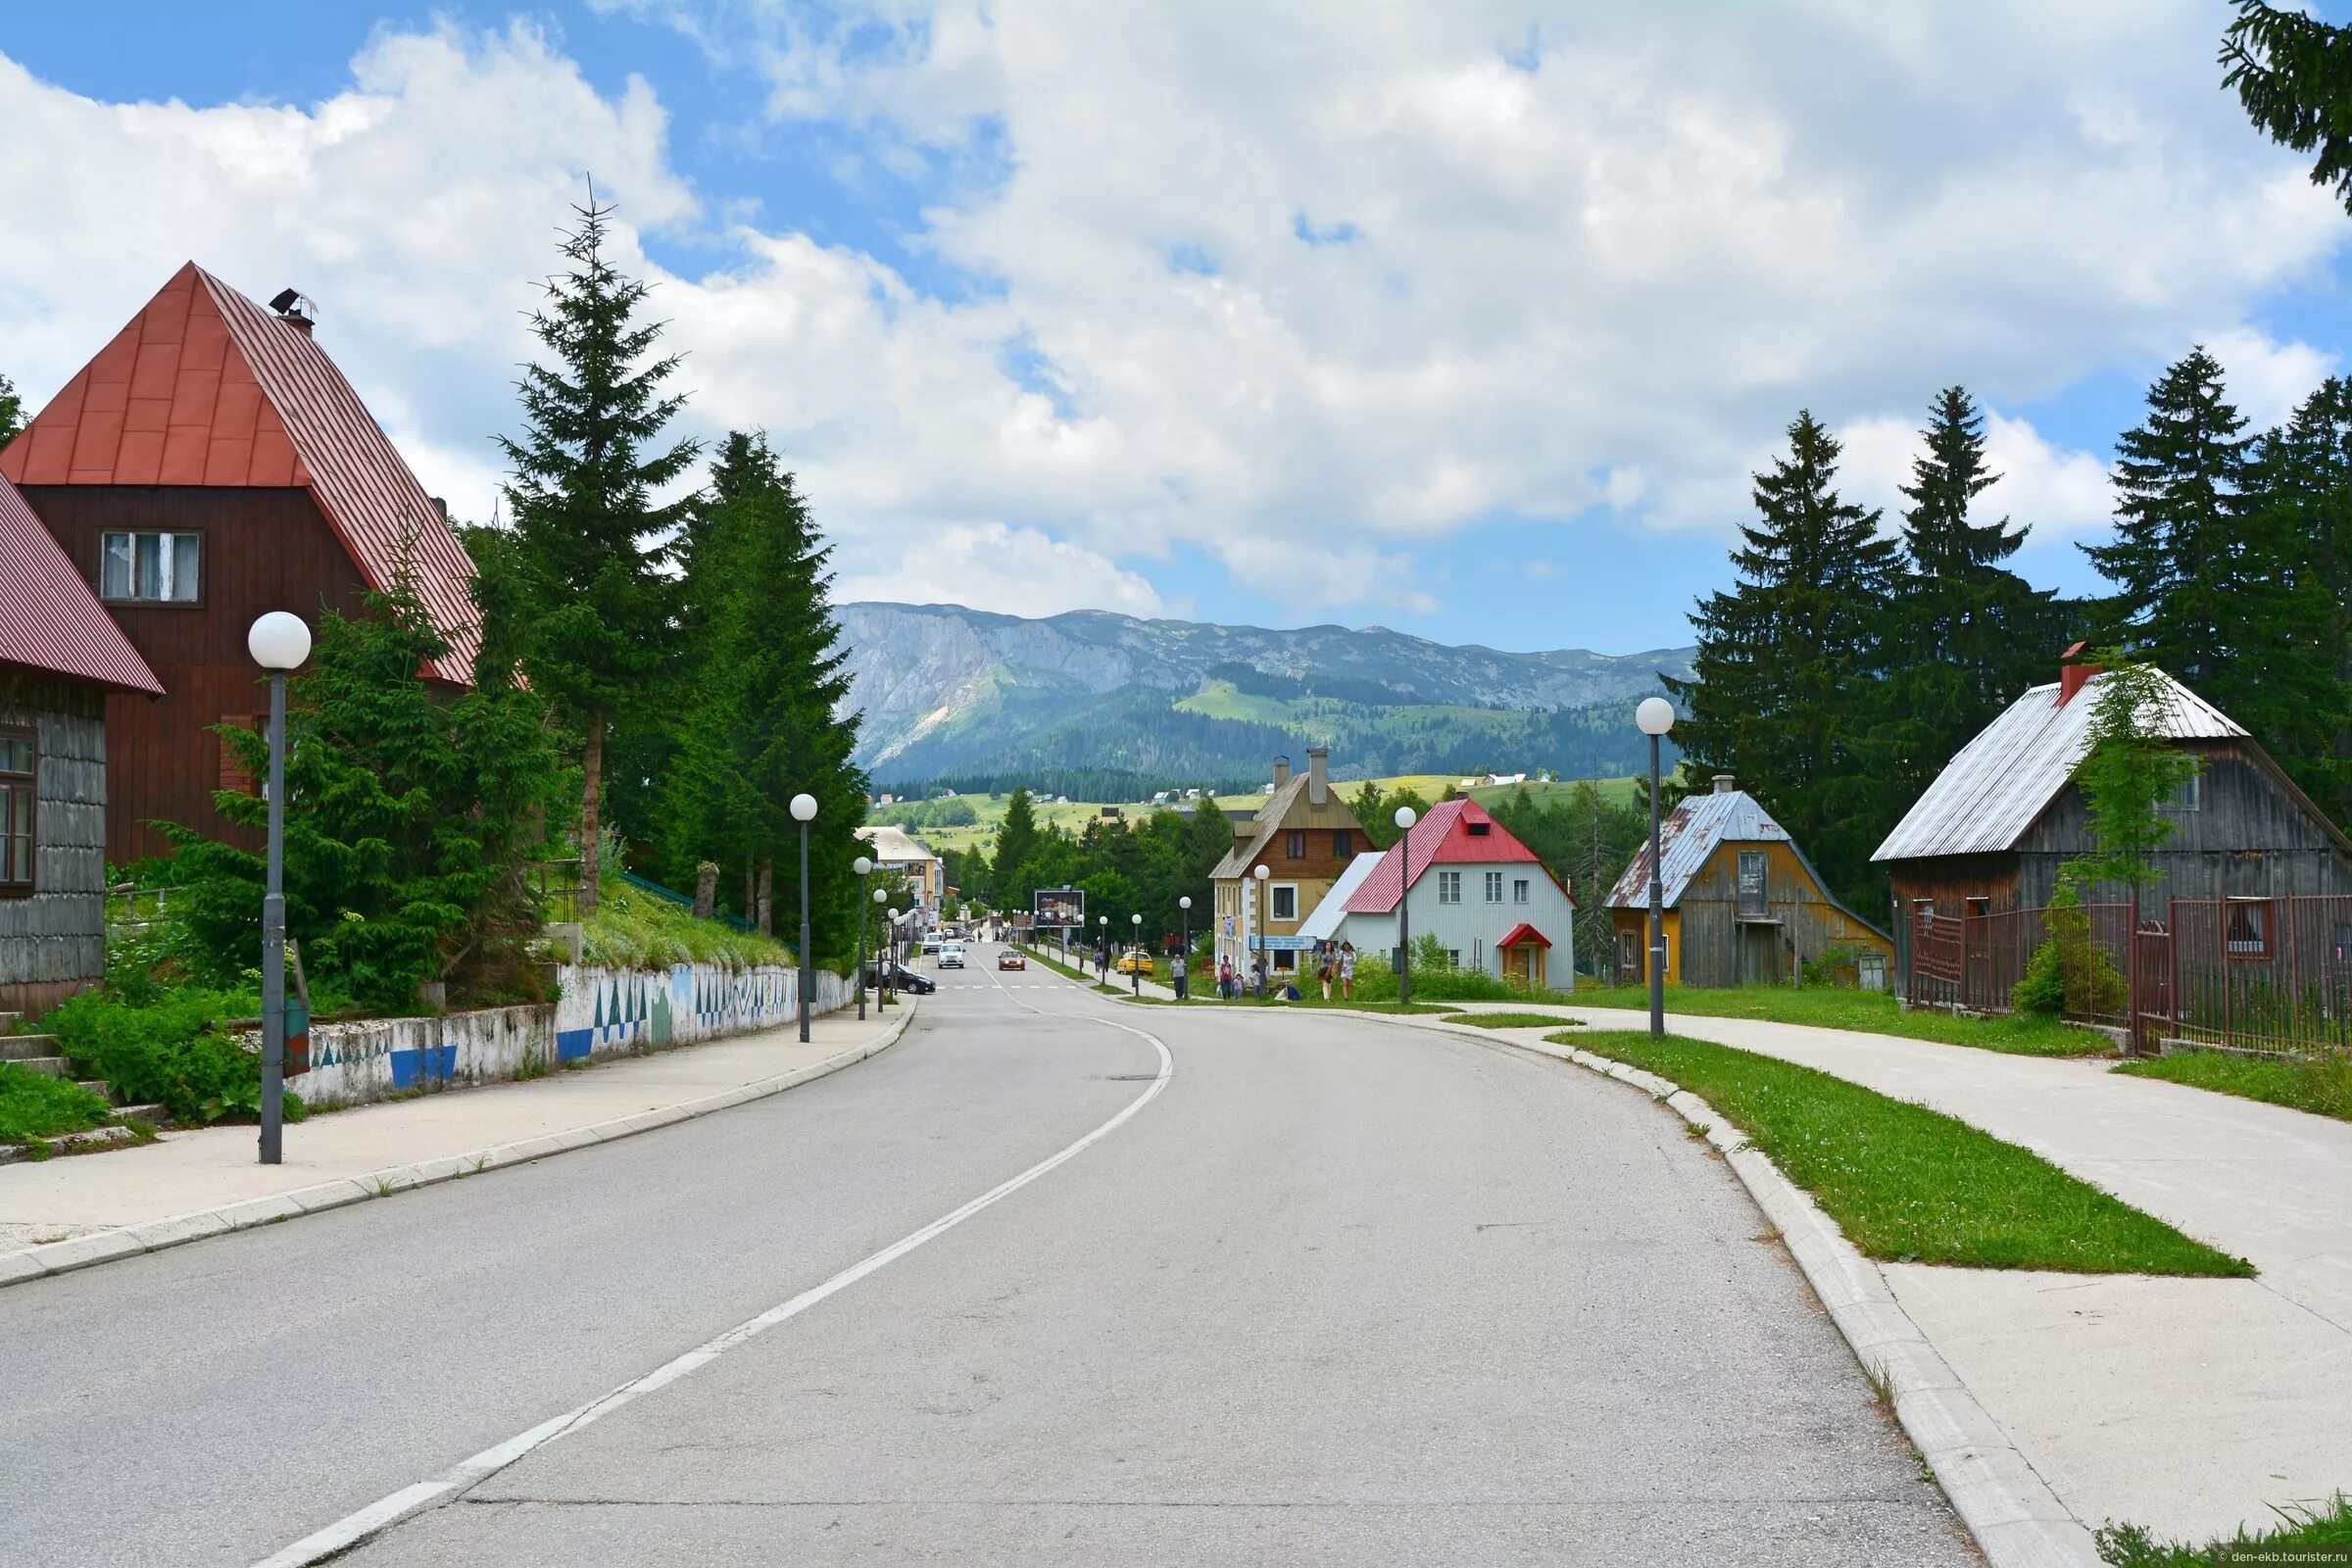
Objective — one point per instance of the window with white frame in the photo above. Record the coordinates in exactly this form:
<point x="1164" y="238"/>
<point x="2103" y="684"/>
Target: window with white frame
<point x="1519" y="887"/>
<point x="1284" y="905"/>
<point x="1450" y="887"/>
<point x="1493" y="887"/>
<point x="157" y="567"/>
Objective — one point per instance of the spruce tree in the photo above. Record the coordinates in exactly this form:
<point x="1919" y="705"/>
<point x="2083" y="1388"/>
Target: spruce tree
<point x="1781" y="687"/>
<point x="2294" y="74"/>
<point x="1016" y="852"/>
<point x="2179" y="543"/>
<point x="589" y="530"/>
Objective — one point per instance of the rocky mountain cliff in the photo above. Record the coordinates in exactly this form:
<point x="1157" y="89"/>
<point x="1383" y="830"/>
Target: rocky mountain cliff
<point x="945" y="688"/>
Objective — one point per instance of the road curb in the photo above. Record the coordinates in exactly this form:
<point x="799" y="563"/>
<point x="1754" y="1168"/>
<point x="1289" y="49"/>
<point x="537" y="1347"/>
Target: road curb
<point x="2017" y="1520"/>
<point x="26" y="1264"/>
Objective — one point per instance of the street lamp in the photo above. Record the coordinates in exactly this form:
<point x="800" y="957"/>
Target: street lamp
<point x="863" y="868"/>
<point x="278" y="642"/>
<point x="1135" y="970"/>
<point x="1654" y="717"/>
<point x="1184" y="992"/>
<point x="1257" y="965"/>
<point x="1405" y="818"/>
<point x="804" y="810"/>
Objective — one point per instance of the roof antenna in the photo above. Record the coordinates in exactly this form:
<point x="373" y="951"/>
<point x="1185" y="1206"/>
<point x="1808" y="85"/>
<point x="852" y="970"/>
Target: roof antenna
<point x="297" y="307"/>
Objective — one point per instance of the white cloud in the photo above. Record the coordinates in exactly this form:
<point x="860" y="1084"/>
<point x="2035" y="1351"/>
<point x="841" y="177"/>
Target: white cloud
<point x="1019" y="570"/>
<point x="2267" y="378"/>
<point x="2054" y="490"/>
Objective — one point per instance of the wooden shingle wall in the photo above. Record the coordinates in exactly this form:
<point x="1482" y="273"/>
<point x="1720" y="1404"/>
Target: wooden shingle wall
<point x="53" y="943"/>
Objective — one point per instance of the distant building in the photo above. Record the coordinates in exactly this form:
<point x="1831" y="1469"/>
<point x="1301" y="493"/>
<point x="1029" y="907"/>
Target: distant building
<point x="1305" y="837"/>
<point x="1484" y="895"/>
<point x="894" y="848"/>
<point x="61" y="658"/>
<point x="1743" y="904"/>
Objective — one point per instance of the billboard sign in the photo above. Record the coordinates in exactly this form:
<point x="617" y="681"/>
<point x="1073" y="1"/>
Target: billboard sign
<point x="1058" y="909"/>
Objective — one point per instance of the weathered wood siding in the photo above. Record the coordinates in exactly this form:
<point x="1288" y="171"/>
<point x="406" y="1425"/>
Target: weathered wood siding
<point x="1718" y="949"/>
<point x="264" y="549"/>
<point x="53" y="943"/>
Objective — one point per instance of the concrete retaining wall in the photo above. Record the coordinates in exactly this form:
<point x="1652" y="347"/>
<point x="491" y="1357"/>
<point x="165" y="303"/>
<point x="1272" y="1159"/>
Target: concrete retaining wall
<point x="602" y="1012"/>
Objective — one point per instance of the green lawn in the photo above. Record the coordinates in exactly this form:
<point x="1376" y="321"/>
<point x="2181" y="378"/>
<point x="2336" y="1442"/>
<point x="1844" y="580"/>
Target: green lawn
<point x="1868" y="1011"/>
<point x="1907" y="1184"/>
<point x="2321" y="1085"/>
<point x="2303" y="1534"/>
<point x="34" y="1106"/>
<point x="1511" y="1020"/>
<point x="632" y="928"/>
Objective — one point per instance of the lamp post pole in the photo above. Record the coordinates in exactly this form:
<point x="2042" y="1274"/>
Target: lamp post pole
<point x="1135" y="970"/>
<point x="1185" y="903"/>
<point x="804" y="810"/>
<point x="1406" y="816"/>
<point x="278" y="642"/>
<point x="1654" y="717"/>
<point x="863" y="868"/>
<point x="1259" y="963"/>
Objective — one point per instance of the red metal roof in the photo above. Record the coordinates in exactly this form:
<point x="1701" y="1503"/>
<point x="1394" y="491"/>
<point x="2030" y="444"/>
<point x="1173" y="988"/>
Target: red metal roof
<point x="1443" y="837"/>
<point x="1524" y="935"/>
<point x="205" y="387"/>
<point x="49" y="620"/>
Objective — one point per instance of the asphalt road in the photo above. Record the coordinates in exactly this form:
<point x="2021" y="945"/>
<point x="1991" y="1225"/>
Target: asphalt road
<point x="1341" y="1292"/>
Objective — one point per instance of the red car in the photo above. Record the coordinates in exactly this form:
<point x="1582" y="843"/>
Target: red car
<point x="1007" y="959"/>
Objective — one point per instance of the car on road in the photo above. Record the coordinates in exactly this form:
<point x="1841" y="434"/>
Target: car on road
<point x="898" y="978"/>
<point x="1009" y="960"/>
<point x="950" y="955"/>
<point x="1134" y="960"/>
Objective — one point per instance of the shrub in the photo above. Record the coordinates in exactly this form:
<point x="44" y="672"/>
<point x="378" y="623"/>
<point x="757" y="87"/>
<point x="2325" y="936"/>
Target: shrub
<point x="34" y="1106"/>
<point x="2068" y="974"/>
<point x="176" y="1049"/>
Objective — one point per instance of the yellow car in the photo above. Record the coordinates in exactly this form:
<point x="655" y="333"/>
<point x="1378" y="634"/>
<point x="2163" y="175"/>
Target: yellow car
<point x="1134" y="960"/>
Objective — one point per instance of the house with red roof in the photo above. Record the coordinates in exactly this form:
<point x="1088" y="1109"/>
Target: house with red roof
<point x="209" y="465"/>
<point x="62" y="660"/>
<point x="1465" y="879"/>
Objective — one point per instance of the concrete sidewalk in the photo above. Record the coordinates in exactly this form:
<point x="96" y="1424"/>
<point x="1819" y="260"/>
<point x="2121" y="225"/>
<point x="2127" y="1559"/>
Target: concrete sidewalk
<point x="67" y="1211"/>
<point x="2185" y="1405"/>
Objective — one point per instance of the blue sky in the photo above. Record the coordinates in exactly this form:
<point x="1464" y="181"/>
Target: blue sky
<point x="1458" y="325"/>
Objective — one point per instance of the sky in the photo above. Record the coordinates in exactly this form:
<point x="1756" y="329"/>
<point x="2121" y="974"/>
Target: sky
<point x="1470" y="319"/>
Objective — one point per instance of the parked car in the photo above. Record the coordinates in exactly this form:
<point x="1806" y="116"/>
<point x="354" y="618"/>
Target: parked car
<point x="950" y="955"/>
<point x="1134" y="960"/>
<point x="1009" y="960"/>
<point x="898" y="978"/>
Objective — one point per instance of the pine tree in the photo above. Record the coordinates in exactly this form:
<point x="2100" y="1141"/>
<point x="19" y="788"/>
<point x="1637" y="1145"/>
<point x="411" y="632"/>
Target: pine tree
<point x="1017" y="876"/>
<point x="1965" y="634"/>
<point x="12" y="411"/>
<point x="586" y="522"/>
<point x="1779" y="693"/>
<point x="2179" y="546"/>
<point x="2294" y="74"/>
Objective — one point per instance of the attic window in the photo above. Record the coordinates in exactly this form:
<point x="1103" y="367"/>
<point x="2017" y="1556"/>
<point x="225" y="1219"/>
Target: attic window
<point x="155" y="568"/>
<point x="1478" y="830"/>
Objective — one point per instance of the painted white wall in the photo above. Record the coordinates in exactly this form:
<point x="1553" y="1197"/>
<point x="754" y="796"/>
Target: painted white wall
<point x="1474" y="926"/>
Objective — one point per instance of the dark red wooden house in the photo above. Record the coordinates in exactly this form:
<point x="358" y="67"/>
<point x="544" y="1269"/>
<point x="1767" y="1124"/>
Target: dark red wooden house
<point x="212" y="464"/>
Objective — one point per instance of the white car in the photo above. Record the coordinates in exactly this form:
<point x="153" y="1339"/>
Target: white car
<point x="950" y="955"/>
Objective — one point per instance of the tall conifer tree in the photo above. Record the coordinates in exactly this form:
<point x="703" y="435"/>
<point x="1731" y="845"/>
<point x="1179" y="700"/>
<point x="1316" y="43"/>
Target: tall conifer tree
<point x="588" y="529"/>
<point x="12" y="411"/>
<point x="1777" y="695"/>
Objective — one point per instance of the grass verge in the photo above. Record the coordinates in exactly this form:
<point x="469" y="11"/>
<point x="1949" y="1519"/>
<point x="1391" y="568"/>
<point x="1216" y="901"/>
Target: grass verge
<point x="631" y="930"/>
<point x="2321" y="1085"/>
<point x="1512" y="1021"/>
<point x="1911" y="1185"/>
<point x="2303" y="1534"/>
<point x="34" y="1106"/>
<point x="1826" y="1008"/>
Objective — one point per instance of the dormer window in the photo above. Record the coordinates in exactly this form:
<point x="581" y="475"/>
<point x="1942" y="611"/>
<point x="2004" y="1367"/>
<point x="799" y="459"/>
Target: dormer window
<point x="1478" y="830"/>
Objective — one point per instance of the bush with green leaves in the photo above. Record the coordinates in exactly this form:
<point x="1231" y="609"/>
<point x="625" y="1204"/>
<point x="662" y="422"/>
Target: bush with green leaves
<point x="176" y="1049"/>
<point x="2069" y="975"/>
<point x="411" y="818"/>
<point x="34" y="1106"/>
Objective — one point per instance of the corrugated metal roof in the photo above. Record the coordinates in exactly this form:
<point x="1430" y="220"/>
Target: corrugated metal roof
<point x="1443" y="837"/>
<point x="1322" y="923"/>
<point x="49" y="620"/>
<point x="1988" y="797"/>
<point x="1262" y="821"/>
<point x="205" y="387"/>
<point x="894" y="845"/>
<point x="1689" y="835"/>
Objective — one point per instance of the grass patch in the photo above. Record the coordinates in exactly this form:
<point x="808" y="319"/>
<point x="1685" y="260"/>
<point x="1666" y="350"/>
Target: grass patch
<point x="1303" y="1005"/>
<point x="1907" y="1184"/>
<point x="2321" y="1085"/>
<point x="1511" y="1020"/>
<point x="1868" y="1011"/>
<point x="34" y="1106"/>
<point x="632" y="929"/>
<point x="2303" y="1534"/>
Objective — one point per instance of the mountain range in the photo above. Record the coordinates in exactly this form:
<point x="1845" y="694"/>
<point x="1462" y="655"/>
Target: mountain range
<point x="951" y="693"/>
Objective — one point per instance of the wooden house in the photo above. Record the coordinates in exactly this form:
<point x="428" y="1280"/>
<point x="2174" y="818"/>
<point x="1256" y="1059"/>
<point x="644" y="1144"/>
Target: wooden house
<point x="209" y="465"/>
<point x="61" y="660"/>
<point x="1990" y="834"/>
<point x="1743" y="903"/>
<point x="1305" y="837"/>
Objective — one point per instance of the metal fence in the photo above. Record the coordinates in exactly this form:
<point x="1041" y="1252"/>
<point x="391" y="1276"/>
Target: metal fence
<point x="1976" y="960"/>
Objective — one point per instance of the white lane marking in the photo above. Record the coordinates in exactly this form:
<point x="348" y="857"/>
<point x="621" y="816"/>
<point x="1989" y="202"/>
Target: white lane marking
<point x="387" y="1511"/>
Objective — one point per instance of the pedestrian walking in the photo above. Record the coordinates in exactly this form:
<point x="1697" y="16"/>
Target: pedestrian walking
<point x="1347" y="971"/>
<point x="1176" y="975"/>
<point x="1224" y="978"/>
<point x="1326" y="962"/>
<point x="1103" y="962"/>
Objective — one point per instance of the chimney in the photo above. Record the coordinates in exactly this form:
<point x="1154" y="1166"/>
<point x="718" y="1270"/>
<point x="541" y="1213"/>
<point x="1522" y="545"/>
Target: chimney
<point x="2072" y="675"/>
<point x="1318" y="775"/>
<point x="1724" y="784"/>
<point x="1282" y="771"/>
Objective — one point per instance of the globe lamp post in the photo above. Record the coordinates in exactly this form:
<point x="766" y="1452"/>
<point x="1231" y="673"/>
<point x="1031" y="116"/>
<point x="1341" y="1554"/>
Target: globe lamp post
<point x="1406" y="816"/>
<point x="804" y="812"/>
<point x="278" y="642"/>
<point x="1654" y="717"/>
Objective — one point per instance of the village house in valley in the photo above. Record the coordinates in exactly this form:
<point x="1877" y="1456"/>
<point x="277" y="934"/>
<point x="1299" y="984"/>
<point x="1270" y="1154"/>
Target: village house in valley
<point x="894" y="848"/>
<point x="209" y="465"/>
<point x="1305" y="837"/>
<point x="1743" y="903"/>
<point x="1475" y="887"/>
<point x="61" y="660"/>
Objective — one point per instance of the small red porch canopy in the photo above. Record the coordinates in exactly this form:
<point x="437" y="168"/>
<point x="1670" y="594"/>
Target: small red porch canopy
<point x="1524" y="935"/>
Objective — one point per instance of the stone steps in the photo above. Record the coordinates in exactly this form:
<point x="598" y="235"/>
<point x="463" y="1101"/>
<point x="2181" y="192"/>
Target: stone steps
<point x="36" y="1053"/>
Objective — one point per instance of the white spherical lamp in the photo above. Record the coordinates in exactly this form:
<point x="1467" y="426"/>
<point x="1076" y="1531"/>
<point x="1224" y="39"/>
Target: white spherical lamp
<point x="1406" y="816"/>
<point x="803" y="808"/>
<point x="881" y="895"/>
<point x="278" y="641"/>
<point x="1261" y="873"/>
<point x="1655" y="715"/>
<point x="862" y="865"/>
<point x="1185" y="902"/>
